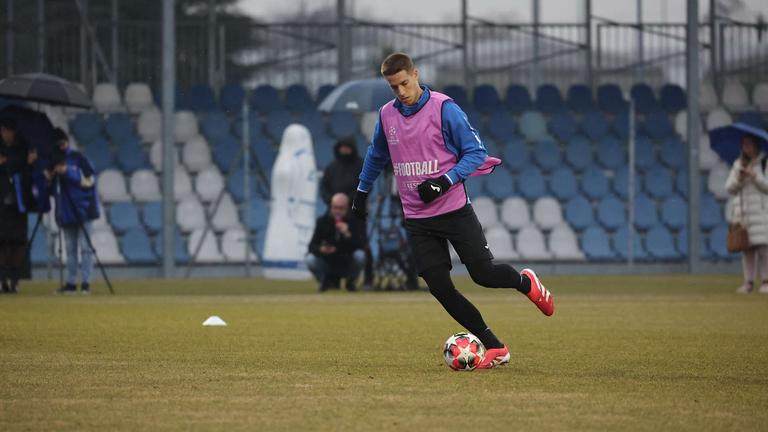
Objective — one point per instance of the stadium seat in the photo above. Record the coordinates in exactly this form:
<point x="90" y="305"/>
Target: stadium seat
<point x="156" y="156"/>
<point x="124" y="216"/>
<point x="500" y="125"/>
<point x="643" y="97"/>
<point x="611" y="213"/>
<point x="225" y="217"/>
<point x="563" y="126"/>
<point x="226" y="153"/>
<point x="181" y="99"/>
<point x="111" y="186"/>
<point x="580" y="98"/>
<point x="718" y="117"/>
<point x="343" y="124"/>
<point x="711" y="214"/>
<point x="579" y="213"/>
<point x="660" y="244"/>
<point x="265" y="98"/>
<point x="205" y="244"/>
<point x="458" y="93"/>
<point x="39" y="247"/>
<point x="185" y="127"/>
<point x="735" y="96"/>
<point x="682" y="245"/>
<point x="255" y="126"/>
<point x="659" y="183"/>
<point x="313" y="120"/>
<point x="533" y="183"/>
<point x="611" y="153"/>
<point x="646" y="214"/>
<point x="323" y="145"/>
<point x="707" y="97"/>
<point x="138" y="97"/>
<point x="196" y="154"/>
<point x="547" y="213"/>
<point x="486" y="211"/>
<point x="752" y="118"/>
<point x="674" y="153"/>
<point x="516" y="155"/>
<point x="214" y="125"/>
<point x="131" y="156"/>
<point x="578" y="153"/>
<point x="531" y="244"/>
<point x="259" y="214"/>
<point x="533" y="126"/>
<point x="137" y="248"/>
<point x="201" y="98"/>
<point x="548" y="99"/>
<point x="119" y="127"/>
<point x="180" y="245"/>
<point x="152" y="216"/>
<point x="105" y="243"/>
<point x="657" y="125"/>
<point x="298" y="99"/>
<point x="182" y="184"/>
<point x="563" y="183"/>
<point x="486" y="98"/>
<point x="620" y="184"/>
<point x="233" y="245"/>
<point x="209" y="183"/>
<point x="190" y="214"/>
<point x="681" y="126"/>
<point x="672" y="98"/>
<point x="547" y="155"/>
<point x="594" y="125"/>
<point x="500" y="243"/>
<point x="324" y="91"/>
<point x="594" y="183"/>
<point x="620" y="244"/>
<point x="716" y="181"/>
<point x="645" y="154"/>
<point x="150" y="125"/>
<point x="86" y="127"/>
<point x="563" y="244"/>
<point x="100" y="155"/>
<point x="263" y="155"/>
<point x="277" y="121"/>
<point x="717" y="243"/>
<point x="760" y="96"/>
<point x="595" y="244"/>
<point x="674" y="212"/>
<point x="235" y="184"/>
<point x="518" y="99"/>
<point x="501" y="185"/>
<point x="610" y="99"/>
<point x="231" y="97"/>
<point x="515" y="213"/>
<point x="106" y="98"/>
<point x="620" y="125"/>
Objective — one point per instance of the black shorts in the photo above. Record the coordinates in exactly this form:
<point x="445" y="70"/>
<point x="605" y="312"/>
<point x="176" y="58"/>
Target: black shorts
<point x="429" y="239"/>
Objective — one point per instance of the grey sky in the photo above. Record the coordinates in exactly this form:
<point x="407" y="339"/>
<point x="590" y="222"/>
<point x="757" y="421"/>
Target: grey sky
<point x="496" y="10"/>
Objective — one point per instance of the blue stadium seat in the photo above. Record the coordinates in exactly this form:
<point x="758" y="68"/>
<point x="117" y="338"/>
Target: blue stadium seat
<point x="39" y="248"/>
<point x="620" y="125"/>
<point x="255" y="126"/>
<point x="611" y="213"/>
<point x="620" y="184"/>
<point x="646" y="215"/>
<point x="324" y="91"/>
<point x="595" y="244"/>
<point x="259" y="215"/>
<point x="235" y="184"/>
<point x="660" y="244"/>
<point x="578" y="153"/>
<point x="711" y="214"/>
<point x="674" y="153"/>
<point x="501" y="185"/>
<point x="594" y="183"/>
<point x="579" y="213"/>
<point x="580" y="98"/>
<point x="717" y="243"/>
<point x="323" y="150"/>
<point x="136" y="247"/>
<point x="681" y="181"/>
<point x="86" y="127"/>
<point x="516" y="155"/>
<point x="277" y="121"/>
<point x="475" y="186"/>
<point x="658" y="182"/>
<point x="458" y="93"/>
<point x="490" y="146"/>
<point x="674" y="212"/>
<point x="610" y="99"/>
<point x="533" y="125"/>
<point x="682" y="245"/>
<point x="231" y="97"/>
<point x="263" y="153"/>
<point x="500" y="125"/>
<point x="152" y="216"/>
<point x="532" y="183"/>
<point x="181" y="100"/>
<point x="313" y="120"/>
<point x="201" y="98"/>
<point x="298" y="99"/>
<point x="672" y="98"/>
<point x="657" y="125"/>
<point x="547" y="155"/>
<point x="645" y="100"/>
<point x="343" y="124"/>
<point x="131" y="156"/>
<point x="752" y="118"/>
<point x="548" y="99"/>
<point x="594" y="125"/>
<point x="621" y="242"/>
<point x="226" y="152"/>
<point x="180" y="244"/>
<point x="99" y="154"/>
<point x="611" y="153"/>
<point x="124" y="216"/>
<point x="563" y="126"/>
<point x="486" y="98"/>
<point x="265" y="98"/>
<point x="214" y="125"/>
<point x="518" y="99"/>
<point x="119" y="127"/>
<point x="563" y="184"/>
<point x="645" y="154"/>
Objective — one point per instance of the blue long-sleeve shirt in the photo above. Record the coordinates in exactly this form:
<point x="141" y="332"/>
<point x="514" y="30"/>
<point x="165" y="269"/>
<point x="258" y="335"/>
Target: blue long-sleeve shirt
<point x="460" y="138"/>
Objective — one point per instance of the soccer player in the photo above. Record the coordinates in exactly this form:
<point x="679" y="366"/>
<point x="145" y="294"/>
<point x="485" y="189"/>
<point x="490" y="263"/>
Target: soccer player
<point x="433" y="149"/>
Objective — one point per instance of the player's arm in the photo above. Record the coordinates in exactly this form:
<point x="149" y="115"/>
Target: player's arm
<point x="376" y="158"/>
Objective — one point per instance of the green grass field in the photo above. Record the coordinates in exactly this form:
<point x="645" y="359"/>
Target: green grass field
<point x="668" y="352"/>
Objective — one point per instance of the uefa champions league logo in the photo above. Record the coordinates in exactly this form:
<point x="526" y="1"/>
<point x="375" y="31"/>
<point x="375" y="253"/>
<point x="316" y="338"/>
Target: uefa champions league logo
<point x="392" y="136"/>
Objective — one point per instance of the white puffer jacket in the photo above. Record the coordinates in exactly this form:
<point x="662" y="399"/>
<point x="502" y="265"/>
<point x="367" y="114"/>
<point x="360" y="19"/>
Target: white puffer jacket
<point x="754" y="194"/>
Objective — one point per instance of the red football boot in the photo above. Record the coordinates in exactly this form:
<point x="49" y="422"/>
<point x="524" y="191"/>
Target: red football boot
<point x="494" y="357"/>
<point x="539" y="295"/>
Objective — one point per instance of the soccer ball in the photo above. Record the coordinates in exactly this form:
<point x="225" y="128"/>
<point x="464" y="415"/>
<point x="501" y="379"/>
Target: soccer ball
<point x="463" y="351"/>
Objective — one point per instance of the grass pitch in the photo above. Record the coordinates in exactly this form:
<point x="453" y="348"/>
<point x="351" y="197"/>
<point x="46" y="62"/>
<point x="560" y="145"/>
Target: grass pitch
<point x="668" y="352"/>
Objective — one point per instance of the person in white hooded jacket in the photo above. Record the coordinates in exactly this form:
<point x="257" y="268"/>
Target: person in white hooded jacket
<point x="748" y="185"/>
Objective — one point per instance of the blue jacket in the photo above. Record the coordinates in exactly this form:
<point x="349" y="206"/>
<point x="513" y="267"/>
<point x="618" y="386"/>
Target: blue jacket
<point x="75" y="185"/>
<point x="460" y="138"/>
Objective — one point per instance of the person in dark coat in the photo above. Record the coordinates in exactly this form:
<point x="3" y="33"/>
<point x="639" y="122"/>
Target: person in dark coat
<point x="341" y="174"/>
<point x="16" y="160"/>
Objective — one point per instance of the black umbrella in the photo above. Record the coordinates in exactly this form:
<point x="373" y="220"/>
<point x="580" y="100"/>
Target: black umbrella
<point x="40" y="87"/>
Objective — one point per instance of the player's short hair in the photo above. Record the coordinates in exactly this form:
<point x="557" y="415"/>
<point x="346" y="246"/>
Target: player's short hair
<point x="395" y="63"/>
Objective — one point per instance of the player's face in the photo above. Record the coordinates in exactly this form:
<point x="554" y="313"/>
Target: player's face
<point x="405" y="86"/>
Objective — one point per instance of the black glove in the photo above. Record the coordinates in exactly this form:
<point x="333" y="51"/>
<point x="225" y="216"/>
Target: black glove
<point x="430" y="189"/>
<point x="359" y="204"/>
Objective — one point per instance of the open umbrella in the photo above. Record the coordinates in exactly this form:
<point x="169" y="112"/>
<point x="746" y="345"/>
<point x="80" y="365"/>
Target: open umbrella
<point x="726" y="140"/>
<point x="40" y="87"/>
<point x="358" y="96"/>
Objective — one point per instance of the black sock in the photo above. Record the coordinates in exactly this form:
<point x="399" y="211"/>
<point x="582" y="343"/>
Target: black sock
<point x="487" y="274"/>
<point x="489" y="339"/>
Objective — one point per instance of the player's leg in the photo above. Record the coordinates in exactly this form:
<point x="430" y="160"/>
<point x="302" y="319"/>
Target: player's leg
<point x="748" y="258"/>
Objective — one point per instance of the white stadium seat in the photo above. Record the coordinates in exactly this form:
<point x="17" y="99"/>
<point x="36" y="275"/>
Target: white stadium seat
<point x="760" y="96"/>
<point x="515" y="213"/>
<point x="185" y="126"/>
<point x="57" y="116"/>
<point x="500" y="243"/>
<point x="196" y="154"/>
<point x="233" y="244"/>
<point x="101" y="222"/>
<point x="111" y="186"/>
<point x="547" y="213"/>
<point x="209" y="183"/>
<point x="226" y="216"/>
<point x="486" y="211"/>
<point x="735" y="96"/>
<point x="182" y="184"/>
<point x="681" y="125"/>
<point x="138" y="97"/>
<point x="530" y="244"/>
<point x="145" y="186"/>
<point x="716" y="181"/>
<point x="368" y="122"/>
<point x="718" y="117"/>
<point x="105" y="243"/>
<point x="563" y="243"/>
<point x="209" y="249"/>
<point x="708" y="159"/>
<point x="190" y="214"/>
<point x="106" y="98"/>
<point x="707" y="97"/>
<point x="156" y="156"/>
<point x="150" y="124"/>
